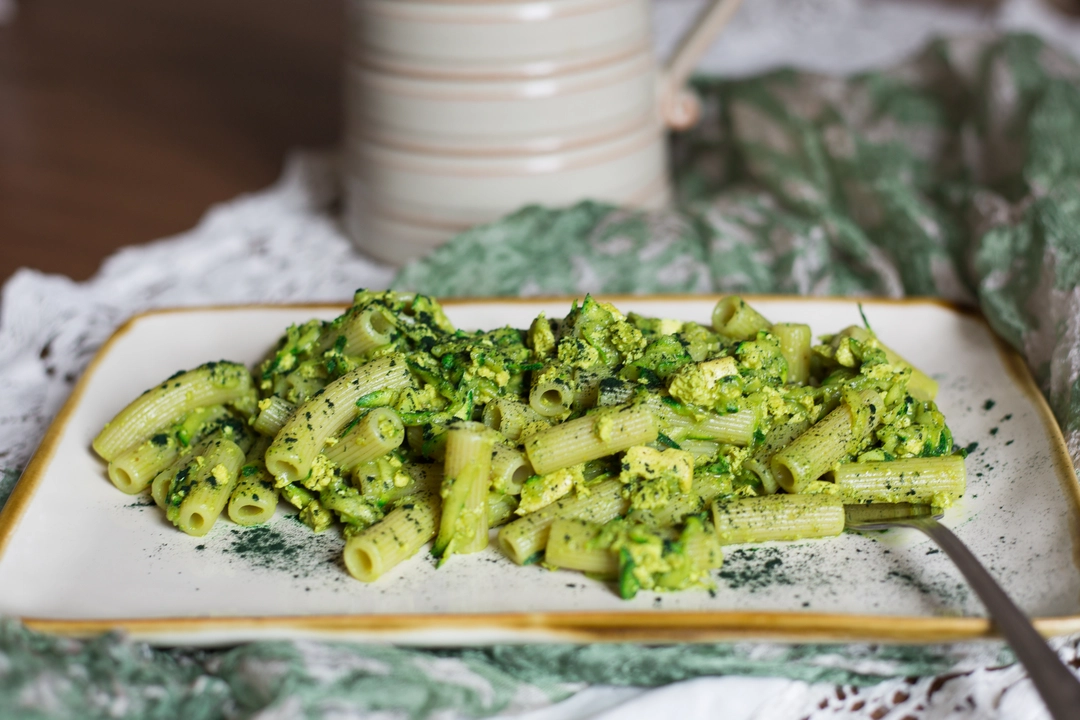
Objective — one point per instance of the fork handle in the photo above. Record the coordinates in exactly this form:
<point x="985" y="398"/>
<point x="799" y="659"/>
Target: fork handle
<point x="1060" y="689"/>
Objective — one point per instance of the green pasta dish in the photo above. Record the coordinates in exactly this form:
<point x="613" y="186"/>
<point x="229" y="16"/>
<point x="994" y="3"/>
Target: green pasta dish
<point x="627" y="447"/>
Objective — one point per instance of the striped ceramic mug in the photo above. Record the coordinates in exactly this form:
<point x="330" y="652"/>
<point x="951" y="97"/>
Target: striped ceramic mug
<point x="459" y="111"/>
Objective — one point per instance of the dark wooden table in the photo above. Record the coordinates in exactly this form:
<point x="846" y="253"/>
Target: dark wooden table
<point x="121" y="121"/>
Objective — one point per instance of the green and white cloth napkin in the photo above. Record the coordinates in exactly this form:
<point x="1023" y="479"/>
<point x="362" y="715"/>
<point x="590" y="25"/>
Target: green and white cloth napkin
<point x="956" y="174"/>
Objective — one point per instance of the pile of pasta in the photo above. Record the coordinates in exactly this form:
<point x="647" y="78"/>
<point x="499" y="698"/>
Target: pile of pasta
<point x="627" y="447"/>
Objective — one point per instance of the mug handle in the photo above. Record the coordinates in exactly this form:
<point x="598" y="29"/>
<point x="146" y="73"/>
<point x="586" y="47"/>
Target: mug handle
<point x="680" y="107"/>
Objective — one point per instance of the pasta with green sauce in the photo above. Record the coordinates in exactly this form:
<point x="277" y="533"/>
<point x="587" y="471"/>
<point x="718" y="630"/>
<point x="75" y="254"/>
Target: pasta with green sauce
<point x="628" y="447"/>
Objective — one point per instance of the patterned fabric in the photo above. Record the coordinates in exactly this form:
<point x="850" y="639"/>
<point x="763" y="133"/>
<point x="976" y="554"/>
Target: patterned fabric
<point x="955" y="175"/>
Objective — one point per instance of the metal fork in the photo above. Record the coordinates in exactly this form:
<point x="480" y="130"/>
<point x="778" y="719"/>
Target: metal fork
<point x="1060" y="689"/>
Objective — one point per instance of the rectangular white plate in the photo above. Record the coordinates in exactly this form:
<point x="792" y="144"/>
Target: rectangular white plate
<point x="77" y="556"/>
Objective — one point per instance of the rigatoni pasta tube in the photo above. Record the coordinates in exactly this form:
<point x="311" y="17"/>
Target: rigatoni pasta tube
<point x="463" y="527"/>
<point x="734" y="318"/>
<point x="509" y="470"/>
<point x="526" y="536"/>
<point x="395" y="538"/>
<point x="614" y="391"/>
<point x="552" y="392"/>
<point x="201" y="489"/>
<point x="572" y="544"/>
<point x="254" y="499"/>
<point x="374" y="435"/>
<point x="511" y="417"/>
<point x="587" y="389"/>
<point x="594" y="436"/>
<point x="931" y="480"/>
<point x="700" y="449"/>
<point x="367" y="330"/>
<point x="827" y="442"/>
<point x="795" y="347"/>
<point x="274" y="412"/>
<point x="777" y="517"/>
<point x="135" y="468"/>
<point x="325" y="414"/>
<point x="735" y="428"/>
<point x="162" y="483"/>
<point x="501" y="508"/>
<point x="215" y="383"/>
<point x="760" y="460"/>
<point x="384" y="485"/>
<point x="212" y="429"/>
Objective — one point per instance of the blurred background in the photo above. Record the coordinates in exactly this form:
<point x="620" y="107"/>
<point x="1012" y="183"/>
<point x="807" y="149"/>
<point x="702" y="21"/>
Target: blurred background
<point x="122" y="121"/>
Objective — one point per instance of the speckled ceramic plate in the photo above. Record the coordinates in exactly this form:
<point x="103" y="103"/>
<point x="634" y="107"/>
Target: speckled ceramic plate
<point x="77" y="556"/>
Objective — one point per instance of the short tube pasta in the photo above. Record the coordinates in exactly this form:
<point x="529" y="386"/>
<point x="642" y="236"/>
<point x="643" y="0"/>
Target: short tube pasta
<point x="397" y="537"/>
<point x="733" y="317"/>
<point x="501" y="508"/>
<point x="135" y="468"/>
<point x="375" y="434"/>
<point x="931" y="480"/>
<point x="216" y="383"/>
<point x="795" y="347"/>
<point x="777" y="517"/>
<point x="614" y="392"/>
<point x="200" y="489"/>
<point x="572" y="545"/>
<point x="552" y="394"/>
<point x="211" y="429"/>
<point x="509" y="470"/>
<point x="594" y="436"/>
<point x="371" y="328"/>
<point x="827" y="442"/>
<point x="586" y="390"/>
<point x="735" y="428"/>
<point x="385" y="489"/>
<point x="522" y="539"/>
<point x="760" y="461"/>
<point x="274" y="412"/>
<point x="463" y="527"/>
<point x="700" y="448"/>
<point x="254" y="499"/>
<point x="162" y="483"/>
<point x="510" y="417"/>
<point x="325" y="414"/>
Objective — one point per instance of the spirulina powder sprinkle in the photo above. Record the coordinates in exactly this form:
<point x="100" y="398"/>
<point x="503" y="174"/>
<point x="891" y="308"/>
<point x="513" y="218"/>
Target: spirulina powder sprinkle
<point x="264" y="546"/>
<point x="276" y="547"/>
<point x="755" y="569"/>
<point x="947" y="592"/>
